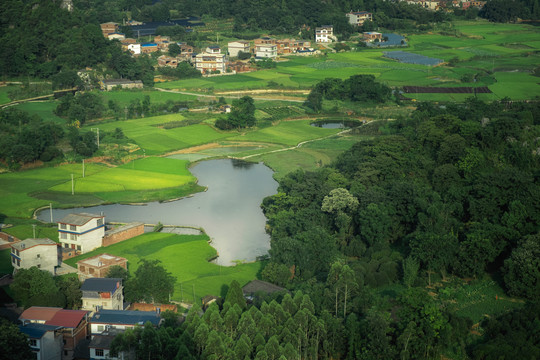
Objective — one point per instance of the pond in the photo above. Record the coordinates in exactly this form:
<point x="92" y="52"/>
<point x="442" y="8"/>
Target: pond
<point x="229" y="211"/>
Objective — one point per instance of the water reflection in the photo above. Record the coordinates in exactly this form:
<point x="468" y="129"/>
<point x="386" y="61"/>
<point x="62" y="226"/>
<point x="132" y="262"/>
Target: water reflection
<point x="229" y="211"/>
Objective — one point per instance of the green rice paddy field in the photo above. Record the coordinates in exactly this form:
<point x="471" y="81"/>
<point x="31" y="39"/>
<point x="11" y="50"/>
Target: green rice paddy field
<point x="509" y="50"/>
<point x="186" y="258"/>
<point x="140" y="180"/>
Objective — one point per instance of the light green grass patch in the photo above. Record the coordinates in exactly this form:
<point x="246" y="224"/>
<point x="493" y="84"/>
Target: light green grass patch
<point x="286" y="133"/>
<point x="4" y="94"/>
<point x="185" y="257"/>
<point x="516" y="85"/>
<point x="44" y="109"/>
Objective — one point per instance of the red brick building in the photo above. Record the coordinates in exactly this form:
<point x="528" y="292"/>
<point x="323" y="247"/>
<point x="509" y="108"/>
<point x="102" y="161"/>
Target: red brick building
<point x="98" y="266"/>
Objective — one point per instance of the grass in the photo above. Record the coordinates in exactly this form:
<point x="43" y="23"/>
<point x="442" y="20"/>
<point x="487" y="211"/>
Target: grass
<point x="4" y="94"/>
<point x="186" y="257"/>
<point x="124" y="98"/>
<point x="155" y="140"/>
<point x="143" y="180"/>
<point x="44" y="109"/>
<point x="288" y="133"/>
<point x="26" y="231"/>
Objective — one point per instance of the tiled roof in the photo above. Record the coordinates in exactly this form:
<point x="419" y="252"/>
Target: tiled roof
<point x="36" y="331"/>
<point x="101" y="284"/>
<point x="78" y="219"/>
<point x="126" y="317"/>
<point x="39" y="313"/>
<point x="67" y="318"/>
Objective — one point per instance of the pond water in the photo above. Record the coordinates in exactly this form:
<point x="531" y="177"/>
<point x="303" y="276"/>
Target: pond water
<point x="330" y="125"/>
<point x="229" y="211"/>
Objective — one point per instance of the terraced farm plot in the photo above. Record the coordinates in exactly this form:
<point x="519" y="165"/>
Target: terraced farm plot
<point x="155" y="173"/>
<point x="288" y="133"/>
<point x="156" y="140"/>
<point x="186" y="257"/>
<point x="282" y="112"/>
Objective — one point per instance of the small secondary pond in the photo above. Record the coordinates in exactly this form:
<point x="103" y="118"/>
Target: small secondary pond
<point x="229" y="211"/>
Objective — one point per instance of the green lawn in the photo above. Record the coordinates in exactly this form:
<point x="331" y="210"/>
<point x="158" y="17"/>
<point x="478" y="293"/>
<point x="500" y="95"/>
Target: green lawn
<point x="124" y="98"/>
<point x="43" y="109"/>
<point x="4" y="97"/>
<point x="288" y="133"/>
<point x="186" y="257"/>
<point x="141" y="180"/>
<point x="156" y="140"/>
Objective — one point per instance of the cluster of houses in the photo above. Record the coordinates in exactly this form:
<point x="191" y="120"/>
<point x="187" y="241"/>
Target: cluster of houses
<point x="441" y="4"/>
<point x="77" y="234"/>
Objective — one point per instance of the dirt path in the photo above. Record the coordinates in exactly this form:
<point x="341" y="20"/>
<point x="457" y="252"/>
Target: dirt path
<point x="281" y="98"/>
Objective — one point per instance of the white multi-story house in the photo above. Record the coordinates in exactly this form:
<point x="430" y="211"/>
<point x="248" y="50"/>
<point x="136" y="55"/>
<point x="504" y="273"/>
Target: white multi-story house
<point x="135" y="49"/>
<point x="82" y="232"/>
<point x="45" y="254"/>
<point x="236" y="46"/>
<point x="45" y="340"/>
<point x="324" y="34"/>
<point x="211" y="61"/>
<point x="266" y="51"/>
<point x="358" y="18"/>
<point x="102" y="293"/>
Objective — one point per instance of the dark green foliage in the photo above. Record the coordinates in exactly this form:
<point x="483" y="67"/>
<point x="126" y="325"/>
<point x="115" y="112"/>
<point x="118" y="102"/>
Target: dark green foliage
<point x="242" y="115"/>
<point x="34" y="287"/>
<point x="182" y="71"/>
<point x="71" y="288"/>
<point x="514" y="335"/>
<point x="151" y="283"/>
<point x="81" y="107"/>
<point x="13" y="343"/>
<point x="235" y="296"/>
<point x="522" y="269"/>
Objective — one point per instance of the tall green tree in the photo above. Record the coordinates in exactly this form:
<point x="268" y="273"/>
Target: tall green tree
<point x="13" y="343"/>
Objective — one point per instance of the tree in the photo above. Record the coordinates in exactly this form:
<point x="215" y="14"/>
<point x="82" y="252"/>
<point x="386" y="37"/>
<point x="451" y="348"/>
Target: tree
<point x="13" y="342"/>
<point x="235" y="296"/>
<point x="174" y="49"/>
<point x="34" y="287"/>
<point x="242" y="112"/>
<point x="71" y="288"/>
<point x="152" y="283"/>
<point x="522" y="269"/>
<point x="118" y="272"/>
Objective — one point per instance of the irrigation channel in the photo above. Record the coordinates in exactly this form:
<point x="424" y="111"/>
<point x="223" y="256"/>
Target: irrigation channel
<point x="229" y="211"/>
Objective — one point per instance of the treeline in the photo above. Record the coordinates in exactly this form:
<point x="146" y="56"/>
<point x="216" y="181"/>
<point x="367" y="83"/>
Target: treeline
<point x="362" y="88"/>
<point x="505" y="11"/>
<point x="25" y="138"/>
<point x="450" y="191"/>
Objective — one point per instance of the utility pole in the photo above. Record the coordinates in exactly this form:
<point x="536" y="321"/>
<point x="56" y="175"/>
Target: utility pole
<point x="82" y="167"/>
<point x="72" y="186"/>
<point x="50" y="210"/>
<point x="97" y="135"/>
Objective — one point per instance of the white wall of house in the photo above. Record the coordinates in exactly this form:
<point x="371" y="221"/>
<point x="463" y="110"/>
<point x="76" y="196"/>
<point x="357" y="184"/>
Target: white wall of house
<point x="206" y="62"/>
<point x="43" y="256"/>
<point x="135" y="48"/>
<point x="266" y="51"/>
<point x="85" y="237"/>
<point x="235" y="47"/>
<point x="98" y="328"/>
<point x="49" y="347"/>
<point x="115" y="302"/>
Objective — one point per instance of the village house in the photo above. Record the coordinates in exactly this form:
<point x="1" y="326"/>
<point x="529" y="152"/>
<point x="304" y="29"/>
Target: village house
<point x="108" y="28"/>
<point x="102" y="293"/>
<point x="240" y="66"/>
<point x="45" y="340"/>
<point x="265" y="47"/>
<point x="185" y="48"/>
<point x="162" y="42"/>
<point x="211" y="60"/>
<point x="324" y="34"/>
<point x="110" y="84"/>
<point x="82" y="232"/>
<point x="476" y="4"/>
<point x="427" y="4"/>
<point x="134" y="49"/>
<point x="100" y="345"/>
<point x="169" y="61"/>
<point x="98" y="266"/>
<point x="371" y="36"/>
<point x="147" y="48"/>
<point x="234" y="47"/>
<point x="45" y="254"/>
<point x="116" y="36"/>
<point x="106" y="320"/>
<point x="358" y="18"/>
<point x="71" y="324"/>
<point x="291" y="46"/>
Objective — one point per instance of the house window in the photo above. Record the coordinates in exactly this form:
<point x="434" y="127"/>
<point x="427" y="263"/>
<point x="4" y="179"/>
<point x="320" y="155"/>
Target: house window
<point x="33" y="342"/>
<point x="79" y="247"/>
<point x="81" y="268"/>
<point x="72" y="237"/>
<point x="72" y="227"/>
<point x="66" y="246"/>
<point x="63" y="236"/>
<point x="63" y="226"/>
<point x="38" y="256"/>
<point x="99" y="222"/>
<point x="99" y="352"/>
<point x="39" y="266"/>
<point x="13" y="260"/>
<point x="91" y="270"/>
<point x="100" y="328"/>
<point x="18" y="262"/>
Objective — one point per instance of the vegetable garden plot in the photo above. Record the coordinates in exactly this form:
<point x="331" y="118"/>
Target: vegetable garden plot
<point x="410" y="58"/>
